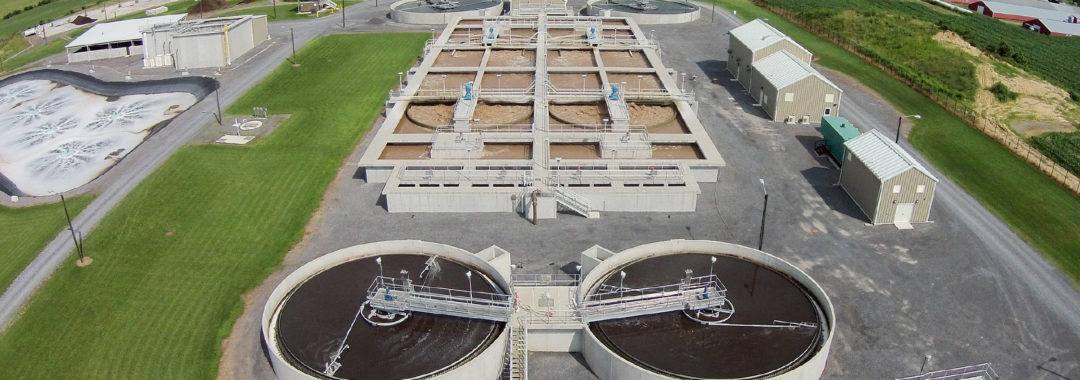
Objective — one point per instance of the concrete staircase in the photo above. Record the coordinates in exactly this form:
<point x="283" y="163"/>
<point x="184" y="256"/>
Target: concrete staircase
<point x="574" y="201"/>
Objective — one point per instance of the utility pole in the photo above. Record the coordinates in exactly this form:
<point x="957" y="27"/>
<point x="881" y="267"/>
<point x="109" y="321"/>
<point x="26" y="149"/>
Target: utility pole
<point x="275" y="9"/>
<point x="218" y="98"/>
<point x="78" y="245"/>
<point x="292" y="36"/>
<point x="342" y="14"/>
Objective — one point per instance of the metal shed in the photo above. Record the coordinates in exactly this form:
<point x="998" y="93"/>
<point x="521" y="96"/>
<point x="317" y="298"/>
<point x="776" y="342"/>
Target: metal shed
<point x="756" y="40"/>
<point x="887" y="184"/>
<point x="213" y="42"/>
<point x="836" y="131"/>
<point x="789" y="90"/>
<point x="113" y="39"/>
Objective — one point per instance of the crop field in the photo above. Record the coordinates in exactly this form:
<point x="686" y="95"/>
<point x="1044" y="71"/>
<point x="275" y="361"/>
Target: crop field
<point x="172" y="261"/>
<point x="1039" y="54"/>
<point x="1064" y="148"/>
<point x="25" y="231"/>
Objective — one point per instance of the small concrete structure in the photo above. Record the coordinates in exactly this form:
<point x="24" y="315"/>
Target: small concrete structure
<point x="212" y="42"/>
<point x="887" y="184"/>
<point x="789" y="90"/>
<point x="754" y="41"/>
<point x="114" y="39"/>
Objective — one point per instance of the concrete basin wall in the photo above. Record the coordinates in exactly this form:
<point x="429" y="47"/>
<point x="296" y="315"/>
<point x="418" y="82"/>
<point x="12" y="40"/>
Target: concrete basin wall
<point x="438" y="18"/>
<point x="485" y="365"/>
<point x="608" y="365"/>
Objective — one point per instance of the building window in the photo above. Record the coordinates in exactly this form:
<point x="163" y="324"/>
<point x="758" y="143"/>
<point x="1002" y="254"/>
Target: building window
<point x="920" y="189"/>
<point x="828" y="111"/>
<point x="896" y="189"/>
<point x="828" y="98"/>
<point x="789" y="96"/>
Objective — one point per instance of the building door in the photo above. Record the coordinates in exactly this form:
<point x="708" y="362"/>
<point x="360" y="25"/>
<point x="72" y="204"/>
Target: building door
<point x="902" y="217"/>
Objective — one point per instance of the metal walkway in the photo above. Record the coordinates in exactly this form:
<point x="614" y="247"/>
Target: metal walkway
<point x="397" y="295"/>
<point x="693" y="293"/>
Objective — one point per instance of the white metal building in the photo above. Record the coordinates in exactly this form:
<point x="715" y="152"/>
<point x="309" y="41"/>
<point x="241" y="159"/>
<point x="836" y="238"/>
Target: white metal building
<point x="114" y="39"/>
<point x="754" y="41"/>
<point x="214" y="42"/>
<point x="887" y="184"/>
<point x="788" y="89"/>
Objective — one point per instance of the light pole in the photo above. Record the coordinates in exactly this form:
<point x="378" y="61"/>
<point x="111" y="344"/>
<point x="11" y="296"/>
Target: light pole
<point x="582" y="82"/>
<point x="925" y="360"/>
<point x="378" y="260"/>
<point x="444" y="83"/>
<point x="275" y="9"/>
<point x="900" y="122"/>
<point x="469" y="275"/>
<point x="78" y="246"/>
<point x="622" y="276"/>
<point x="400" y="81"/>
<point x="558" y="174"/>
<point x="498" y="77"/>
<point x="712" y="263"/>
<point x="683" y="82"/>
<point x="639" y="83"/>
<point x="764" y="208"/>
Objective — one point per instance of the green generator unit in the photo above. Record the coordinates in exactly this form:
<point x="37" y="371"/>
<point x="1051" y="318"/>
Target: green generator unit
<point x="836" y="131"/>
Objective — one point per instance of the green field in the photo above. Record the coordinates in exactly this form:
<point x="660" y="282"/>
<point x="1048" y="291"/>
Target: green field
<point x="42" y="14"/>
<point x="285" y="11"/>
<point x="25" y="231"/>
<point x="1039" y="210"/>
<point x="172" y="261"/>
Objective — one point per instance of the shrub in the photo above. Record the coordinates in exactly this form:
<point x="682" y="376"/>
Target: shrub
<point x="1003" y="93"/>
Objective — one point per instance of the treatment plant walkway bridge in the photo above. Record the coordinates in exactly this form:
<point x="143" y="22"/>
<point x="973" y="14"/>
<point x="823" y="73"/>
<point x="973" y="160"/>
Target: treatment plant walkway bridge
<point x="610" y="302"/>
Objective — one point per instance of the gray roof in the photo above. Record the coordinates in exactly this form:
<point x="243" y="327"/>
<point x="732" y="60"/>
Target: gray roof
<point x="783" y="69"/>
<point x="119" y="31"/>
<point x="1022" y="10"/>
<point x="1061" y="27"/>
<point x="882" y="156"/>
<point x="758" y="34"/>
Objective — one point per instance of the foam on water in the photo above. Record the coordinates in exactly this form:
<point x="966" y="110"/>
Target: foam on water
<point x="55" y="137"/>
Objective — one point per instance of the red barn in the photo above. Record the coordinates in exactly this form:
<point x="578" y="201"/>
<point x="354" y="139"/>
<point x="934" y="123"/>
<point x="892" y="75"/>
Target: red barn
<point x="1006" y="11"/>
<point x="1053" y="28"/>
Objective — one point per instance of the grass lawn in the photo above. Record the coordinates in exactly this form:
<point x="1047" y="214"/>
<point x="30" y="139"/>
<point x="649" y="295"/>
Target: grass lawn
<point x="1038" y="209"/>
<point x="55" y="46"/>
<point x="44" y="13"/>
<point x="172" y="261"/>
<point x="25" y="231"/>
<point x="285" y="11"/>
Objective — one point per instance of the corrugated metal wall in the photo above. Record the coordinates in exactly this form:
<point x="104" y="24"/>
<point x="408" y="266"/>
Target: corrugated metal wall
<point x="861" y="184"/>
<point x="908" y="182"/>
<point x="808" y="99"/>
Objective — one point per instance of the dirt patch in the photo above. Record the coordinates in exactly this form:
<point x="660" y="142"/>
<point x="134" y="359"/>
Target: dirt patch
<point x="575" y="81"/>
<point x="624" y="59"/>
<point x="435" y="81"/>
<point x="430" y="115"/>
<point x="459" y="58"/>
<point x="587" y="114"/>
<point x="575" y="151"/>
<point x="500" y="113"/>
<point x="512" y="58"/>
<point x="571" y="58"/>
<point x="506" y="80"/>
<point x="507" y="151"/>
<point x="1041" y="107"/>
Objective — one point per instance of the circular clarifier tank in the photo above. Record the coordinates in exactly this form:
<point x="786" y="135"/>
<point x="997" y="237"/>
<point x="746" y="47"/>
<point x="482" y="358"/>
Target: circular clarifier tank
<point x="645" y="11"/>
<point x="317" y="324"/>
<point x="437" y="12"/>
<point x="777" y="322"/>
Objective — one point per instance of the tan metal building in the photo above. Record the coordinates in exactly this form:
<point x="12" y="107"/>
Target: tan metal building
<point x="754" y="41"/>
<point x="887" y="184"/>
<point x="213" y="42"/>
<point x="789" y="90"/>
<point x="114" y="39"/>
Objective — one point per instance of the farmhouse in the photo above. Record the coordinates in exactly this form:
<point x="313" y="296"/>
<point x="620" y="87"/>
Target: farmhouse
<point x="754" y="41"/>
<point x="789" y="90"/>
<point x="1053" y="28"/>
<point x="113" y="39"/>
<point x="887" y="184"/>
<point x="1006" y="11"/>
